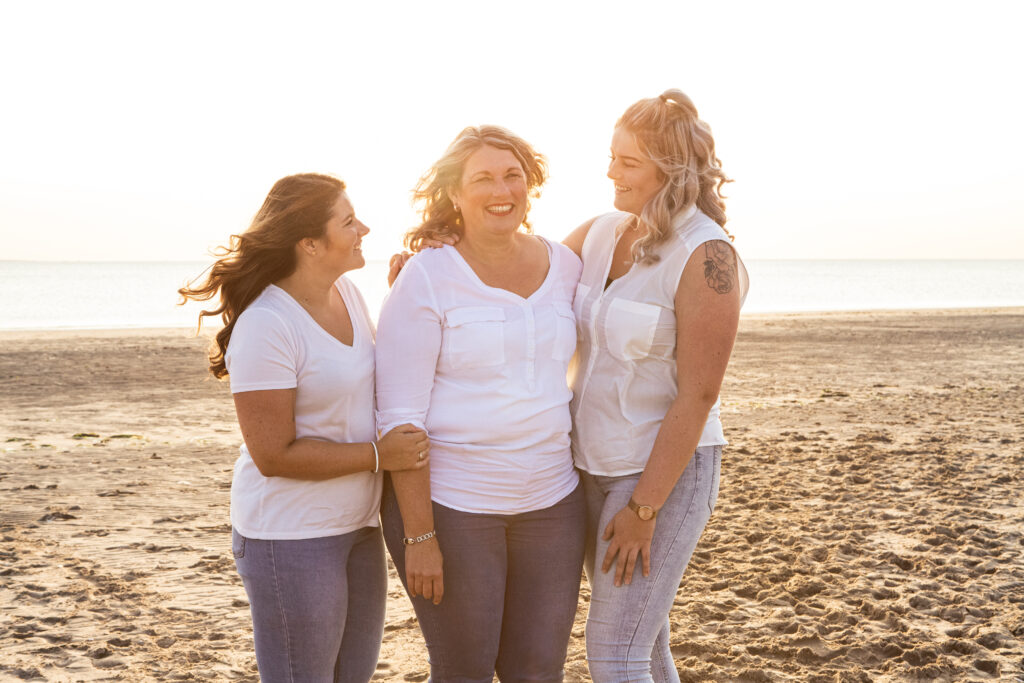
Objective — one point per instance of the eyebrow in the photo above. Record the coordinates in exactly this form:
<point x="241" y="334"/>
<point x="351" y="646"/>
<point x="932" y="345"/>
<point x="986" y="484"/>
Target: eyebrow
<point x="510" y="168"/>
<point x="624" y="156"/>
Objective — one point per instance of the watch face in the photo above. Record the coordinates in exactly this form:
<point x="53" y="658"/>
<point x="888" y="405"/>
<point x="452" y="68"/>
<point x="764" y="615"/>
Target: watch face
<point x="645" y="512"/>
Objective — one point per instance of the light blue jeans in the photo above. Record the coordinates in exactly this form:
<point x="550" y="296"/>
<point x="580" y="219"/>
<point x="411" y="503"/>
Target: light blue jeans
<point x="628" y="626"/>
<point x="317" y="605"/>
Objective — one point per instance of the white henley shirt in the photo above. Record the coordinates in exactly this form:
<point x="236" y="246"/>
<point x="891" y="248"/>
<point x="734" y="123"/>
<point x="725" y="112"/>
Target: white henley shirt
<point x="483" y="371"/>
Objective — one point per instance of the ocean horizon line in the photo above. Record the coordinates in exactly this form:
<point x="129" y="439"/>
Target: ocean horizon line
<point x="939" y="310"/>
<point x="140" y="294"/>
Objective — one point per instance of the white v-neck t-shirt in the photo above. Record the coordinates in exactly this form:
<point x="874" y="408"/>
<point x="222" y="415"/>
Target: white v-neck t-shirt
<point x="483" y="370"/>
<point x="276" y="344"/>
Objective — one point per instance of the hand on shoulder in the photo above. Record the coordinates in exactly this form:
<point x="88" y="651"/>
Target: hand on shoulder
<point x="398" y="261"/>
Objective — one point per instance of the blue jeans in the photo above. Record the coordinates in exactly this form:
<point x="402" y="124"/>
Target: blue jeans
<point x="511" y="585"/>
<point x="317" y="604"/>
<point x="628" y="626"/>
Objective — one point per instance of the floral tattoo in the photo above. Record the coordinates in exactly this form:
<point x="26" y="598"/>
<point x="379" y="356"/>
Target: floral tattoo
<point x="719" y="266"/>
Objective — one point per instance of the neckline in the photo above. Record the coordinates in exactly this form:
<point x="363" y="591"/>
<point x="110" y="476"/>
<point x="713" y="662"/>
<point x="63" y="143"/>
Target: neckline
<point x="608" y="283"/>
<point x="468" y="270"/>
<point x="312" y="321"/>
<point x="677" y="222"/>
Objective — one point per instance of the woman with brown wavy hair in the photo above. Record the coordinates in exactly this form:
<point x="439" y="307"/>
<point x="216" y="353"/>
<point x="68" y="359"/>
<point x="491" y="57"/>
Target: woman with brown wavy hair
<point x="657" y="310"/>
<point x="298" y="348"/>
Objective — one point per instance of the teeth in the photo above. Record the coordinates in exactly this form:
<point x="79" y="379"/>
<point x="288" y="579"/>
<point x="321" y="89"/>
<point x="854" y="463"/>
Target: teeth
<point x="620" y="188"/>
<point x="499" y="208"/>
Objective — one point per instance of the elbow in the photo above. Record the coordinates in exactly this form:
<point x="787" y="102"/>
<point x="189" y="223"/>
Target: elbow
<point x="701" y="399"/>
<point x="267" y="463"/>
<point x="707" y="398"/>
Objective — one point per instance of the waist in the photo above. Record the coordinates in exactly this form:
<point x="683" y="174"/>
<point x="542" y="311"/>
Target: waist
<point x="606" y="441"/>
<point x="539" y="423"/>
<point x="284" y="508"/>
<point x="475" y="478"/>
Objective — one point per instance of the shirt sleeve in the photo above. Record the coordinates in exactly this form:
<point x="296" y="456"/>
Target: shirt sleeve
<point x="262" y="353"/>
<point x="408" y="345"/>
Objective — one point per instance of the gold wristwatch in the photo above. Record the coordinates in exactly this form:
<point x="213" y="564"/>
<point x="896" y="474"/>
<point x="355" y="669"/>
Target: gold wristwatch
<point x="644" y="512"/>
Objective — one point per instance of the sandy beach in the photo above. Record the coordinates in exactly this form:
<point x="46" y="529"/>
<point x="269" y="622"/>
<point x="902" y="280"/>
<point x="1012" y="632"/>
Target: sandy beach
<point x="870" y="525"/>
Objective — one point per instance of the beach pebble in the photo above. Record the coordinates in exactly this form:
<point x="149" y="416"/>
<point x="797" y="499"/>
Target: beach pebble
<point x="110" y="663"/>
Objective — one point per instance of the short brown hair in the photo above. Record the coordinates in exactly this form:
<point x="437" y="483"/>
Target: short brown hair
<point x="438" y="214"/>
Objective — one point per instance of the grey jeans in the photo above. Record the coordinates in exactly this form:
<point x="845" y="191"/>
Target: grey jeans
<point x="628" y="626"/>
<point x="512" y="583"/>
<point x="317" y="604"/>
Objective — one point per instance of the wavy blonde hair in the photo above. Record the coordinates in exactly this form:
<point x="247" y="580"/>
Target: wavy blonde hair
<point x="668" y="130"/>
<point x="438" y="214"/>
<point x="297" y="207"/>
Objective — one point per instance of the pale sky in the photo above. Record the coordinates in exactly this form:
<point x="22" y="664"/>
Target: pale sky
<point x="146" y="131"/>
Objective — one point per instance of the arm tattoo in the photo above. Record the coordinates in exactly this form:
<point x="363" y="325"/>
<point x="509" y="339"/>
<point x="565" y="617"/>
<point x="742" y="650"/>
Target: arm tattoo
<point x="719" y="266"/>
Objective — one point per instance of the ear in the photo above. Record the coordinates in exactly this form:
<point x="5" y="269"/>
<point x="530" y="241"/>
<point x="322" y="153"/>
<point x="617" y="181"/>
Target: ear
<point x="453" y="197"/>
<point x="307" y="245"/>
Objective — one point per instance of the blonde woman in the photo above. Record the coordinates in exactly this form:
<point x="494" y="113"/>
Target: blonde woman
<point x="473" y="346"/>
<point x="657" y="310"/>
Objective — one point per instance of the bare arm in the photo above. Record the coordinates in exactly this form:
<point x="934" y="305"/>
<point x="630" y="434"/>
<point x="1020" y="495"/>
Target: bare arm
<point x="707" y="308"/>
<point x="267" y="420"/>
<point x="576" y="238"/>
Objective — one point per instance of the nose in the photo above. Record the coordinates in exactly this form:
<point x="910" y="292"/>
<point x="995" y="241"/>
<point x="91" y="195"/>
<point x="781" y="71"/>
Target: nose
<point x="363" y="229"/>
<point x="500" y="188"/>
<point x="613" y="172"/>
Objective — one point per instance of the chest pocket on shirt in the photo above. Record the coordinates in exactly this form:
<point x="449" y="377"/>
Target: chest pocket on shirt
<point x="474" y="336"/>
<point x="565" y="332"/>
<point x="629" y="328"/>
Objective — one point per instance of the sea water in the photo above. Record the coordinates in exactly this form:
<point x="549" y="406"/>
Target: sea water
<point x="74" y="295"/>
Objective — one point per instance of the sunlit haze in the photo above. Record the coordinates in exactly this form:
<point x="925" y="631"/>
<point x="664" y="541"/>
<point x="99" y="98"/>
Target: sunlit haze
<point x="142" y="131"/>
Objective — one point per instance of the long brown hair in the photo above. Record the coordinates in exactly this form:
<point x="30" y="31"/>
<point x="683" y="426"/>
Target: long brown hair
<point x="439" y="215"/>
<point x="679" y="143"/>
<point x="297" y="207"/>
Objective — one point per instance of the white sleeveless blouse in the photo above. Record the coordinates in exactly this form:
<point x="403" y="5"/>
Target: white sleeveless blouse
<point x="623" y="376"/>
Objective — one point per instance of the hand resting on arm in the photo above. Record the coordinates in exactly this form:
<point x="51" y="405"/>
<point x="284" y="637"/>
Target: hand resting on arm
<point x="267" y="420"/>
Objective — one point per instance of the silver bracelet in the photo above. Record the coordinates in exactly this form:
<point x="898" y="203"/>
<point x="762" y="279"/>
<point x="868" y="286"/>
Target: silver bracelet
<point x="376" y="457"/>
<point x="419" y="539"/>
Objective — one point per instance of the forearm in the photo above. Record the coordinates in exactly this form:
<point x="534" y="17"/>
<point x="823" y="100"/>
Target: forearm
<point x="316" y="460"/>
<point x="412" y="490"/>
<point x="674" y="446"/>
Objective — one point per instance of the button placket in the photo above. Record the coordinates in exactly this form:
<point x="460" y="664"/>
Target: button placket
<point x="592" y="326"/>
<point x="531" y="346"/>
